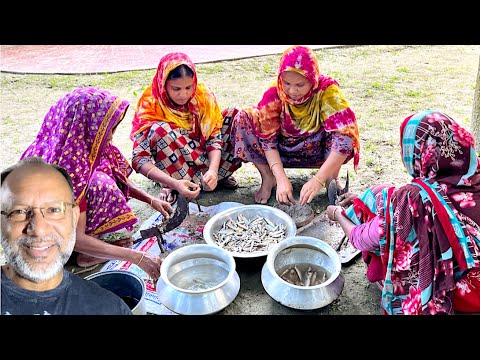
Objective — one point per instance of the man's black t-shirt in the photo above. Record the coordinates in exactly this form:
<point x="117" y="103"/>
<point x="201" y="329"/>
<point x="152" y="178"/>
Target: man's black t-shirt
<point x="74" y="296"/>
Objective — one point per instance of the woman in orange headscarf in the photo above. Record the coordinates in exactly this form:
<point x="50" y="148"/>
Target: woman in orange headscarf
<point x="303" y="120"/>
<point x="181" y="138"/>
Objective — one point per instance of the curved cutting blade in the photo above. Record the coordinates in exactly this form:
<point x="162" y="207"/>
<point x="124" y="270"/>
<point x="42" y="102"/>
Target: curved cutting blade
<point x="181" y="211"/>
<point x="345" y="189"/>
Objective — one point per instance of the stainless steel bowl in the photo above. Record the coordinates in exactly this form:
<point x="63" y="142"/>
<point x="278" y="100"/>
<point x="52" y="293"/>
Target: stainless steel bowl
<point x="276" y="216"/>
<point x="198" y="279"/>
<point x="303" y="251"/>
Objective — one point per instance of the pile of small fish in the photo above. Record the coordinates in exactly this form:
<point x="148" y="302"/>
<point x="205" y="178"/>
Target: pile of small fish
<point x="247" y="236"/>
<point x="294" y="276"/>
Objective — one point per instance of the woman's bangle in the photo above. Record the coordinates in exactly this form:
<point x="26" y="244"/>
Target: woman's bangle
<point x="320" y="181"/>
<point x="334" y="214"/>
<point x="275" y="163"/>
<point x="143" y="255"/>
<point x="149" y="171"/>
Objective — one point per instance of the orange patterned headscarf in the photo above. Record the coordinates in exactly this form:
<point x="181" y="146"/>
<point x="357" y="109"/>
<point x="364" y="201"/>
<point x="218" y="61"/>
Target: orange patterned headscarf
<point x="154" y="105"/>
<point x="323" y="106"/>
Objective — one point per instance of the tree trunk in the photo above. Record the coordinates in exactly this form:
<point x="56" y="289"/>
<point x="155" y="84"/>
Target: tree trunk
<point x="476" y="111"/>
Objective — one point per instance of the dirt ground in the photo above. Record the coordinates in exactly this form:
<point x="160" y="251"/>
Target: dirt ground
<point x="383" y="83"/>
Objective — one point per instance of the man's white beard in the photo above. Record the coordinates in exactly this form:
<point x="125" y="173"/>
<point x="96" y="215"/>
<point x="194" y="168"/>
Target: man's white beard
<point x="32" y="273"/>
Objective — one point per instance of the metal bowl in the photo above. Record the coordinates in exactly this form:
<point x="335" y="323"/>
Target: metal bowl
<point x="198" y="279"/>
<point x="303" y="252"/>
<point x="129" y="286"/>
<point x="215" y="223"/>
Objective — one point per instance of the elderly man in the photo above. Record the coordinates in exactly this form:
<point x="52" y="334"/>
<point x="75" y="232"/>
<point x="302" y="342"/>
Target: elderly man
<point x="38" y="235"/>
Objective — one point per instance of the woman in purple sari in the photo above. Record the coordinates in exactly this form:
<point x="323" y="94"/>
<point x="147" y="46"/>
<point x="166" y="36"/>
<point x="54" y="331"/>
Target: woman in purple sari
<point x="77" y="135"/>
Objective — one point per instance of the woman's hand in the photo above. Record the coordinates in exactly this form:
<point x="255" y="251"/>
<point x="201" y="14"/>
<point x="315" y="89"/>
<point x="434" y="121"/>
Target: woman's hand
<point x="187" y="188"/>
<point x="210" y="180"/>
<point x="311" y="188"/>
<point x="150" y="264"/>
<point x="347" y="198"/>
<point x="333" y="212"/>
<point x="284" y="193"/>
<point x="162" y="206"/>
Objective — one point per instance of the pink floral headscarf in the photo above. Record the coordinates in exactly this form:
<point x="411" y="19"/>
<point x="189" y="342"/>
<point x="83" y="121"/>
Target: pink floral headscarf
<point x="324" y="106"/>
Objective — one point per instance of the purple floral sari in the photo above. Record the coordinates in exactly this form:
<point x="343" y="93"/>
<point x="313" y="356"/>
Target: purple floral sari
<point x="74" y="135"/>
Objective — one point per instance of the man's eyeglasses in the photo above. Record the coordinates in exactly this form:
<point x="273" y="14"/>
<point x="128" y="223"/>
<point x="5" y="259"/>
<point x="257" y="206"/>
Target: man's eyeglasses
<point x="50" y="211"/>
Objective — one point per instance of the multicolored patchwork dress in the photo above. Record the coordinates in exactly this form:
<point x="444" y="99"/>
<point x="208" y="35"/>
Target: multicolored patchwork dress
<point x="177" y="139"/>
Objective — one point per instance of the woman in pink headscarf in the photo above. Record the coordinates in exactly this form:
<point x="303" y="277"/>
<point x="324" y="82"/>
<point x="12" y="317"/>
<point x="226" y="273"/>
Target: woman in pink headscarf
<point x="302" y="121"/>
<point x="76" y="134"/>
<point x="421" y="241"/>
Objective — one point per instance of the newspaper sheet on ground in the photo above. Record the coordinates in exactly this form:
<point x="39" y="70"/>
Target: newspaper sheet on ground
<point x="150" y="245"/>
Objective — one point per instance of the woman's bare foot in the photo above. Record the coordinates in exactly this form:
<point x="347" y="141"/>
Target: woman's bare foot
<point x="263" y="194"/>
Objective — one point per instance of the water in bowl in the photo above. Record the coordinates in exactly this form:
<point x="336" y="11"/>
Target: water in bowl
<point x="198" y="274"/>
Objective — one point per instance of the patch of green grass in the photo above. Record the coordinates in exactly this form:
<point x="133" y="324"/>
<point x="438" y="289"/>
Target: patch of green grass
<point x="370" y="146"/>
<point x="213" y="68"/>
<point x="385" y="87"/>
<point x="110" y="80"/>
<point x="412" y="93"/>
<point x="336" y="75"/>
<point x="402" y="69"/>
<point x="389" y="88"/>
<point x="361" y="53"/>
<point x="60" y="82"/>
<point x="450" y="68"/>
<point x="369" y="123"/>
<point x="394" y="78"/>
<point x="369" y="160"/>
<point x="382" y="125"/>
<point x="377" y="169"/>
<point x="7" y="120"/>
